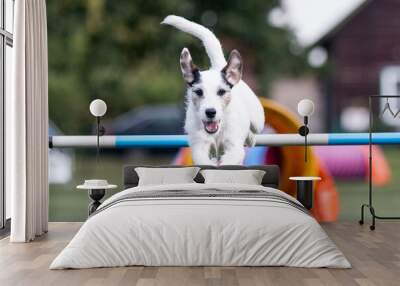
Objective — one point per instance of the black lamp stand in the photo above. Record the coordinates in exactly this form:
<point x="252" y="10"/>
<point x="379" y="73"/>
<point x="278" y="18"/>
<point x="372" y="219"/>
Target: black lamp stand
<point x="370" y="198"/>
<point x="100" y="131"/>
<point x="303" y="131"/>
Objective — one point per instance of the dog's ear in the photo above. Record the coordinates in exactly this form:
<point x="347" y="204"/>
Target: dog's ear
<point x="190" y="71"/>
<point x="233" y="69"/>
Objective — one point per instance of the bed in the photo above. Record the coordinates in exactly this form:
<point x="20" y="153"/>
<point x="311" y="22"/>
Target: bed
<point x="199" y="224"/>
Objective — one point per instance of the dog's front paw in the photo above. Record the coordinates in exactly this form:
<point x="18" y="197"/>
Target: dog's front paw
<point x="214" y="161"/>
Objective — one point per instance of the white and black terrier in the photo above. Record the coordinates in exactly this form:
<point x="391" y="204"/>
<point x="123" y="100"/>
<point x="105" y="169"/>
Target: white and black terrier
<point x="223" y="114"/>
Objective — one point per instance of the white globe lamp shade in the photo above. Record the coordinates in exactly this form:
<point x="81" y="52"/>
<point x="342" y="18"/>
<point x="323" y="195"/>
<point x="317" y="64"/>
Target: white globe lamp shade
<point x="305" y="107"/>
<point x="98" y="108"/>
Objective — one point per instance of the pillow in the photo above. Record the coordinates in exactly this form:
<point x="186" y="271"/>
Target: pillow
<point x="166" y="176"/>
<point x="248" y="177"/>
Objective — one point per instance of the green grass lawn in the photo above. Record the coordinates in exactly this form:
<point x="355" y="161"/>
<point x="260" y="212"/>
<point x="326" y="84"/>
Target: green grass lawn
<point x="69" y="204"/>
<point x="386" y="199"/>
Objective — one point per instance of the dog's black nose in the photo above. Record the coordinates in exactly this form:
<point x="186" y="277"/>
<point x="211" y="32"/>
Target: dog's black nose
<point x="210" y="112"/>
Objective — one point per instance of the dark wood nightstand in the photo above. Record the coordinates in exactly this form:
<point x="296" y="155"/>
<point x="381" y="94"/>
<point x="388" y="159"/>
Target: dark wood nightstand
<point x="305" y="190"/>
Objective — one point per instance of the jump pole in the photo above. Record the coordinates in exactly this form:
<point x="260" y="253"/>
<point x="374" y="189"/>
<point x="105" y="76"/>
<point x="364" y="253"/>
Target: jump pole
<point x="177" y="141"/>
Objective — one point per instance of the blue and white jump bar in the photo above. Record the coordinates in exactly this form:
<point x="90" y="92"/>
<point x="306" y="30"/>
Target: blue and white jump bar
<point x="176" y="141"/>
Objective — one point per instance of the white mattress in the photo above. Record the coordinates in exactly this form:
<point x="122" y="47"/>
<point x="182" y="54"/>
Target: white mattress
<point x="189" y="231"/>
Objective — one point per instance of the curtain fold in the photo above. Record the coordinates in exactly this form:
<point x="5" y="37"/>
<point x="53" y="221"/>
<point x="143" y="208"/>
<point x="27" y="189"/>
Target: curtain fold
<point x="27" y="124"/>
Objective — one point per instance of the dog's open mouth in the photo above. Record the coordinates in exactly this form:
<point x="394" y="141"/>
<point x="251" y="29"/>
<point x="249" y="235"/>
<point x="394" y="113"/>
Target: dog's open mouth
<point x="211" y="126"/>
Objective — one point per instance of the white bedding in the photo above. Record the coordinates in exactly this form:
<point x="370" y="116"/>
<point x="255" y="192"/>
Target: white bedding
<point x="183" y="231"/>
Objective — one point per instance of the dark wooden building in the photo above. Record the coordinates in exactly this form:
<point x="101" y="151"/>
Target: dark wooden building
<point x="359" y="50"/>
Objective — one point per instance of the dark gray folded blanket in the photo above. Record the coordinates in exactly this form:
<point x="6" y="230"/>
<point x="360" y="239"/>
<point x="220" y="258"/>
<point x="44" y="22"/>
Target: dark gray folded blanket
<point x="207" y="193"/>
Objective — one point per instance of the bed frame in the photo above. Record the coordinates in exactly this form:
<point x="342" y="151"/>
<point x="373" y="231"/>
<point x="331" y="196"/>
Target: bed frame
<point x="270" y="179"/>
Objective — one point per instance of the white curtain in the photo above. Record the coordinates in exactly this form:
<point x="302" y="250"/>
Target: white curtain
<point x="27" y="124"/>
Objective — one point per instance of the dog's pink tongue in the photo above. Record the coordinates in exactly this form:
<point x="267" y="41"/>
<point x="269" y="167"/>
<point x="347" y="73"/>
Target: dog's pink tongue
<point x="212" y="126"/>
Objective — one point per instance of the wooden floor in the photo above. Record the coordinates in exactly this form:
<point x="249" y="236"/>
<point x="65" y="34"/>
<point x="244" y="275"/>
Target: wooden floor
<point x="375" y="257"/>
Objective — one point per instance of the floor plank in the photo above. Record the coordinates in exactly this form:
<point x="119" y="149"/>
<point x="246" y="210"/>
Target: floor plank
<point x="375" y="257"/>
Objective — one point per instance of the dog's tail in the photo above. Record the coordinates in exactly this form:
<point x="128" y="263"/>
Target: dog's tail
<point x="210" y="42"/>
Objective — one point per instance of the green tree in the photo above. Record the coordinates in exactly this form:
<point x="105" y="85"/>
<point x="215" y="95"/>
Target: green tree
<point x="118" y="51"/>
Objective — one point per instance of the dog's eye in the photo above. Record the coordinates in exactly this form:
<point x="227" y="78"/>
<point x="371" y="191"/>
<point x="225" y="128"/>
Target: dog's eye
<point x="198" y="92"/>
<point x="221" y="92"/>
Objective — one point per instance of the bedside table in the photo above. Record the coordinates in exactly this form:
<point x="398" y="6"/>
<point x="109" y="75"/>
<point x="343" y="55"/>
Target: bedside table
<point x="305" y="190"/>
<point x="96" y="190"/>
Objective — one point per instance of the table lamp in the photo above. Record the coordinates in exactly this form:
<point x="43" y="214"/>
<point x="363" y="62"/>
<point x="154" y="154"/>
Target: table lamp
<point x="98" y="108"/>
<point x="305" y="108"/>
